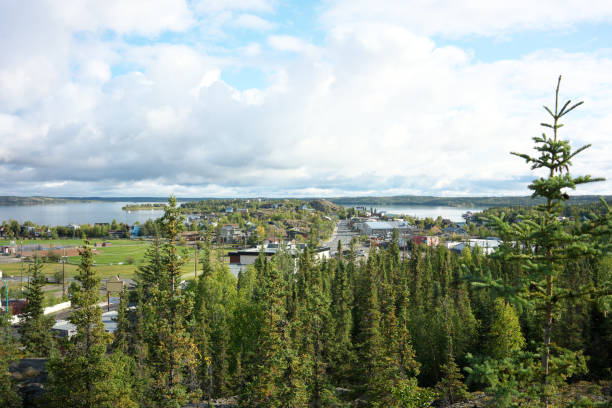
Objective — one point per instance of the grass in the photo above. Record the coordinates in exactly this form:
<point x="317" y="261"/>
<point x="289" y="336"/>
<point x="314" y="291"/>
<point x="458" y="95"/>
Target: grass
<point x="66" y="242"/>
<point x="121" y="258"/>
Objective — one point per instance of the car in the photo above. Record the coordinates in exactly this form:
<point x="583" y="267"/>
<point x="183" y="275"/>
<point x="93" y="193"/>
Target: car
<point x="361" y="252"/>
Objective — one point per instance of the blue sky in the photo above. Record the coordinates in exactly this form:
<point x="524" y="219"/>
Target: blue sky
<point x="286" y="98"/>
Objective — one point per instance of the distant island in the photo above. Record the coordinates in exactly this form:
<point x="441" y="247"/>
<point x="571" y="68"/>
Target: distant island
<point x="144" y="207"/>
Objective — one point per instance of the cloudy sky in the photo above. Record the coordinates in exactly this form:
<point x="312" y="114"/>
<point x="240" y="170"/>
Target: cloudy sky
<point x="295" y="98"/>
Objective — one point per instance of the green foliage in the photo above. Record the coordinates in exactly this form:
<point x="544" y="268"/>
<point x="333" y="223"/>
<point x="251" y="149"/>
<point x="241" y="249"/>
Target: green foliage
<point x="171" y="355"/>
<point x="505" y="335"/>
<point x="451" y="388"/>
<point x="512" y="380"/>
<point x="407" y="394"/>
<point x="35" y="327"/>
<point x="541" y="244"/>
<point x="102" y="381"/>
<point x="8" y="354"/>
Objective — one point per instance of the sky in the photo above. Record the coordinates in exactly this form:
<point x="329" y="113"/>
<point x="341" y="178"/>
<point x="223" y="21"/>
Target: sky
<point x="280" y="98"/>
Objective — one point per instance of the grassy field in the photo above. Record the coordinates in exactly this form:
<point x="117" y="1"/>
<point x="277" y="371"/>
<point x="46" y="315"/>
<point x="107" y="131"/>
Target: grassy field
<point x="121" y="258"/>
<point x="67" y="242"/>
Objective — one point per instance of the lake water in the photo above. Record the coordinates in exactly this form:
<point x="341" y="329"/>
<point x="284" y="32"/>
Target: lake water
<point x="89" y="213"/>
<point x="75" y="213"/>
<point x="421" y="211"/>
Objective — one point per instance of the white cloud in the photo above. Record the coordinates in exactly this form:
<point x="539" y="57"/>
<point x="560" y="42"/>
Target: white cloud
<point x="135" y="16"/>
<point x="221" y="5"/>
<point x="375" y="108"/>
<point x="458" y="18"/>
<point x="251" y="50"/>
<point x="289" y="43"/>
<point x="252" y="22"/>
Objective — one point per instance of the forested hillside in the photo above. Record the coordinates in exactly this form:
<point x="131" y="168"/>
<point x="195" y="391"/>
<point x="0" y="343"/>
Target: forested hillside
<point x="528" y="325"/>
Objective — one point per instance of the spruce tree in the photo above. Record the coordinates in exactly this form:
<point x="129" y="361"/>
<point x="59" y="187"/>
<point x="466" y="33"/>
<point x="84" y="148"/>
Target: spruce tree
<point x="35" y="328"/>
<point x="121" y="338"/>
<point x="544" y="243"/>
<point x="505" y="335"/>
<point x="8" y="354"/>
<point x="171" y="356"/>
<point x="342" y="356"/>
<point x="99" y="382"/>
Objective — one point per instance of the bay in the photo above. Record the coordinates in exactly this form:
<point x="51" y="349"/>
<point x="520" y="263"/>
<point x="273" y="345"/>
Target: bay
<point x="76" y="213"/>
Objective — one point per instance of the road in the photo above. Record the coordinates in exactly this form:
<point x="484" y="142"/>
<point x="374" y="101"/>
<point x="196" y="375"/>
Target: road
<point x="343" y="233"/>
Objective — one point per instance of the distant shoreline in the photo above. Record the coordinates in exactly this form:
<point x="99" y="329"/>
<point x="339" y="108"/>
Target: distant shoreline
<point x="149" y="203"/>
<point x="144" y="207"/>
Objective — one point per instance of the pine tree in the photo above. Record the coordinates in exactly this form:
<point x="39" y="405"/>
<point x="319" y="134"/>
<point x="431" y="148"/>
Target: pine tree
<point x="275" y="377"/>
<point x="546" y="244"/>
<point x="121" y="338"/>
<point x="8" y="353"/>
<point x="35" y="328"/>
<point x="171" y="355"/>
<point x="370" y="345"/>
<point x="451" y="387"/>
<point x="505" y="335"/>
<point x="100" y="383"/>
<point x="342" y="356"/>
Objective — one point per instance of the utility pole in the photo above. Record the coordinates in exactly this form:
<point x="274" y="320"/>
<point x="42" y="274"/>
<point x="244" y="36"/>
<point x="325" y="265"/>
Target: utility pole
<point x="21" y="284"/>
<point x="8" y="330"/>
<point x="64" y="273"/>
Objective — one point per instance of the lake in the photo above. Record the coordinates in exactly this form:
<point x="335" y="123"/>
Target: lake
<point x="422" y="211"/>
<point x="76" y="213"/>
<point x="89" y="213"/>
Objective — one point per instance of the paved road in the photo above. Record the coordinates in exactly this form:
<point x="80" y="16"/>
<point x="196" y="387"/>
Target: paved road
<point x="345" y="234"/>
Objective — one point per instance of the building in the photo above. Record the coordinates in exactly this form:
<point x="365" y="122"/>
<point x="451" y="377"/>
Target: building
<point x="454" y="230"/>
<point x="428" y="240"/>
<point x="231" y="233"/>
<point x="487" y="245"/>
<point x="190" y="236"/>
<point x="64" y="329"/>
<point x="382" y="228"/>
<point x="249" y="255"/>
<point x="8" y="249"/>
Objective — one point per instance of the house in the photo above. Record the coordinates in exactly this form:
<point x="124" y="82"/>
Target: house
<point x="8" y="249"/>
<point x="190" y="236"/>
<point x="231" y="233"/>
<point x="249" y="255"/>
<point x="243" y="210"/>
<point x="487" y="245"/>
<point x="428" y="240"/>
<point x="270" y="205"/>
<point x="64" y="329"/>
<point x="15" y="306"/>
<point x="454" y="230"/>
<point x="228" y="210"/>
<point x="294" y="232"/>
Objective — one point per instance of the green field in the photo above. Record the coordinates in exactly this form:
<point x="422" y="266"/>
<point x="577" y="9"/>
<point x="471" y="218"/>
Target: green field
<point x="121" y="258"/>
<point x="68" y="241"/>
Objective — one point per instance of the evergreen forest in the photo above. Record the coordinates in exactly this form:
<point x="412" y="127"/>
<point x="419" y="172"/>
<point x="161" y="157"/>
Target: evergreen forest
<point x="528" y="325"/>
